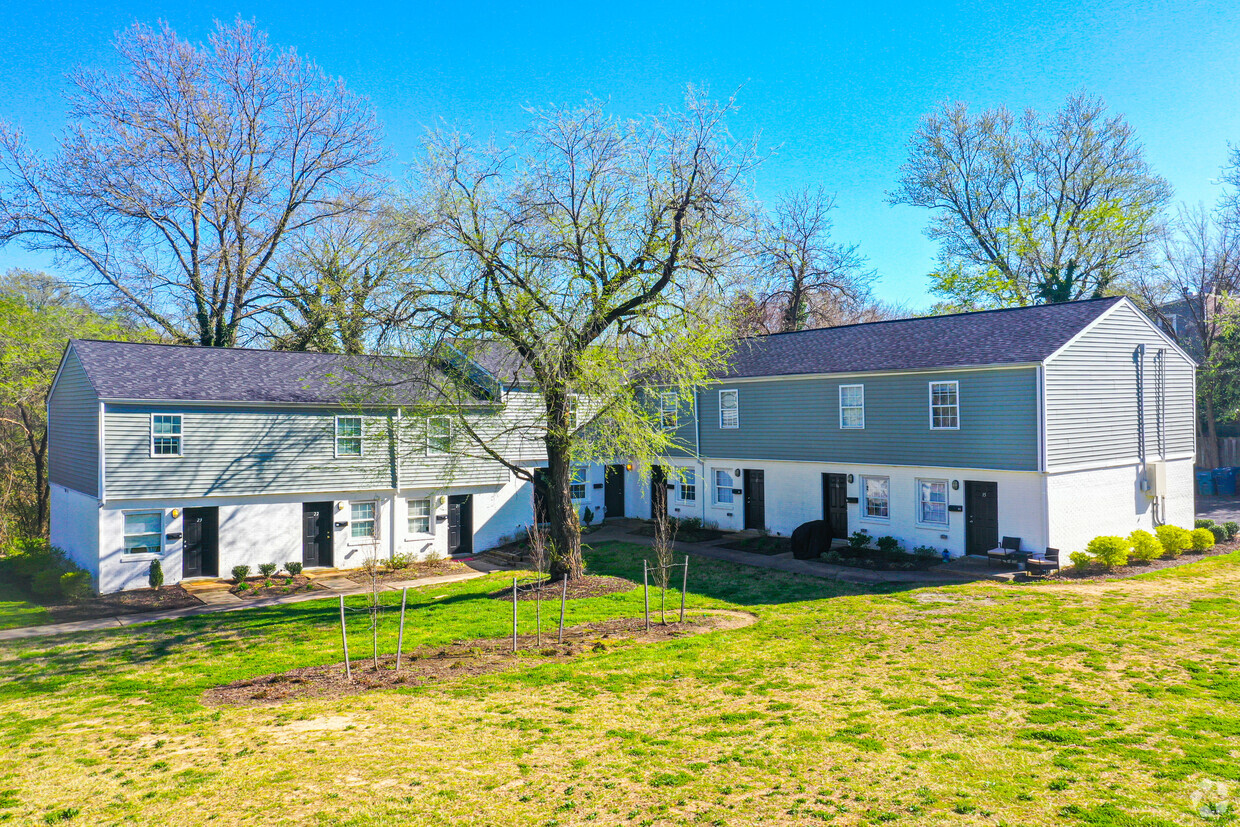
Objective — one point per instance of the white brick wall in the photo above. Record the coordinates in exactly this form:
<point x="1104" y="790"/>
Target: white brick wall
<point x="75" y="528"/>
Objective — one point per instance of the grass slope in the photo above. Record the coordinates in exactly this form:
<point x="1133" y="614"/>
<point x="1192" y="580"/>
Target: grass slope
<point x="1099" y="704"/>
<point x="16" y="610"/>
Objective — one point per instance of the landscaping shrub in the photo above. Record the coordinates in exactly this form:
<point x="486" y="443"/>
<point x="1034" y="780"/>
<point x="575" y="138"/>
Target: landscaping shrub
<point x="293" y="568"/>
<point x="859" y="540"/>
<point x="1145" y="546"/>
<point x="46" y="584"/>
<point x="400" y="561"/>
<point x="75" y="585"/>
<point x="1203" y="523"/>
<point x="155" y="575"/>
<point x="887" y="544"/>
<point x="1220" y="533"/>
<point x="587" y="516"/>
<point x="1081" y="559"/>
<point x="28" y="557"/>
<point x="690" y="524"/>
<point x="268" y="569"/>
<point x="240" y="573"/>
<point x="1201" y="539"/>
<point x="1233" y="528"/>
<point x="1109" y="550"/>
<point x="1174" y="539"/>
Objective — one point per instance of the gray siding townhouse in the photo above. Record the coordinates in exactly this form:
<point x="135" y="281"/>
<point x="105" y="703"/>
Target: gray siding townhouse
<point x="209" y="458"/>
<point x="1053" y="423"/>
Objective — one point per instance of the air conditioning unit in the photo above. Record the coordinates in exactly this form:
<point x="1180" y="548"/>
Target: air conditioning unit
<point x="1155" y="483"/>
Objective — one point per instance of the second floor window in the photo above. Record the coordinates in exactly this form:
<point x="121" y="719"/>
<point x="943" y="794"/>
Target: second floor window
<point x="688" y="486"/>
<point x="348" y="436"/>
<point x="438" y="435"/>
<point x="852" y="406"/>
<point x="362" y="524"/>
<point x="577" y="486"/>
<point x="165" y="435"/>
<point x="729" y="409"/>
<point x="944" y="405"/>
<point x="669" y="403"/>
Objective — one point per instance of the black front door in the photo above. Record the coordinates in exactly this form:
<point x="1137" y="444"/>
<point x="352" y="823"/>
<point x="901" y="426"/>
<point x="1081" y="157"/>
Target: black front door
<point x="755" y="498"/>
<point x="835" y="504"/>
<point x="316" y="534"/>
<point x="981" y="516"/>
<point x="200" y="544"/>
<point x="461" y="524"/>
<point x="658" y="493"/>
<point x="613" y="491"/>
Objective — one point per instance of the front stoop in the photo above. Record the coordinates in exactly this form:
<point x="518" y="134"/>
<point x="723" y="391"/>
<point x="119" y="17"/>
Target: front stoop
<point x="211" y="592"/>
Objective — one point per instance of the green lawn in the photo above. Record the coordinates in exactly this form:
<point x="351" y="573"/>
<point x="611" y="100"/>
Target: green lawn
<point x="1092" y="704"/>
<point x="16" y="610"/>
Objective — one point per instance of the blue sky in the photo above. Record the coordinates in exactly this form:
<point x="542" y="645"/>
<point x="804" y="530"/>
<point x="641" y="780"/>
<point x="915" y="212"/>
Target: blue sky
<point x="835" y="88"/>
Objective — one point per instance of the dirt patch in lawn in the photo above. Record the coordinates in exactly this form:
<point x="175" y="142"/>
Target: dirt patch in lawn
<point x="761" y="545"/>
<point x="441" y="664"/>
<point x="1070" y="573"/>
<point x="414" y="571"/>
<point x="684" y="534"/>
<point x="135" y="601"/>
<point x="590" y="585"/>
<point x="253" y="588"/>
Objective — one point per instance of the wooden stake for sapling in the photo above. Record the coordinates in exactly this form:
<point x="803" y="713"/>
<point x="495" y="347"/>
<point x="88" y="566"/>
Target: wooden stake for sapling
<point x="514" y="614"/>
<point x="563" y="600"/>
<point x="646" y="591"/>
<point x="538" y="615"/>
<point x="400" y="637"/>
<point x="344" y="640"/>
<point x="684" y="584"/>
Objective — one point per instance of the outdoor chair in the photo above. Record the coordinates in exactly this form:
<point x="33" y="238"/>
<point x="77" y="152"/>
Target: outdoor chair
<point x="1045" y="564"/>
<point x="1007" y="552"/>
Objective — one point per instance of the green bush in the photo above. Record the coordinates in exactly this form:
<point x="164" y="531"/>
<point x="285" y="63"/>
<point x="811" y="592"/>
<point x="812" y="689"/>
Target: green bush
<point x="859" y="540"/>
<point x="1219" y="532"/>
<point x="1203" y="523"/>
<point x="1201" y="539"/>
<point x="1108" y="550"/>
<point x="293" y="568"/>
<point x="1174" y="539"/>
<point x="1081" y="559"/>
<point x="75" y="585"/>
<point x="46" y="584"/>
<point x="1233" y="528"/>
<point x="155" y="575"/>
<point x="240" y="573"/>
<point x="587" y="516"/>
<point x="1145" y="546"/>
<point x="268" y="569"/>
<point x="887" y="544"/>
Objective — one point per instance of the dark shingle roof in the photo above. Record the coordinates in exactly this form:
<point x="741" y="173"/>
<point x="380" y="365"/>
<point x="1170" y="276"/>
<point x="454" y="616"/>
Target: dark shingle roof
<point x="989" y="337"/>
<point x="128" y="370"/>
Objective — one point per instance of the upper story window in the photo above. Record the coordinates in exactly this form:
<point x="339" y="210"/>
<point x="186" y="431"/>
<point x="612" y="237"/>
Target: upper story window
<point x="729" y="409"/>
<point x="348" y="436"/>
<point x="144" y="532"/>
<point x="875" y="497"/>
<point x="688" y="485"/>
<point x="723" y="487"/>
<point x="420" y="516"/>
<point x="669" y="413"/>
<point x="577" y="486"/>
<point x="932" y="502"/>
<point x="165" y="435"/>
<point x="852" y="406"/>
<point x="944" y="405"/>
<point x="438" y="435"/>
<point x="362" y="522"/>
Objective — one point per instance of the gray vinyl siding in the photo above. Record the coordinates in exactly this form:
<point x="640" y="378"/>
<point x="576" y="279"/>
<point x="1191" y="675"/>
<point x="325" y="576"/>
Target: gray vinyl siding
<point x="798" y="419"/>
<point x="73" y="430"/>
<point x="1091" y="395"/>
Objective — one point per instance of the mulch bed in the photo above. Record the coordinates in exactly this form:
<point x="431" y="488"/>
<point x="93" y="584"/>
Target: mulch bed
<point x="435" y="665"/>
<point x="683" y="535"/>
<point x="1070" y="573"/>
<point x="422" y="568"/>
<point x="136" y="601"/>
<point x="589" y="585"/>
<point x="281" y="584"/>
<point x="769" y="546"/>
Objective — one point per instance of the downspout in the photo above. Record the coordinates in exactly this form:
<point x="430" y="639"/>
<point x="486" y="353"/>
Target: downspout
<point x="103" y="456"/>
<point x="697" y="455"/>
<point x="1043" y="450"/>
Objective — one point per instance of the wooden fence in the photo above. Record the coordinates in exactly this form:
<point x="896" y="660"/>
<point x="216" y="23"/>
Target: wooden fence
<point x="1228" y="452"/>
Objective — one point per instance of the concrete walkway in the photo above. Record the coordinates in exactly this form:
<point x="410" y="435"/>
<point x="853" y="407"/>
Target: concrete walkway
<point x="952" y="573"/>
<point x="213" y="602"/>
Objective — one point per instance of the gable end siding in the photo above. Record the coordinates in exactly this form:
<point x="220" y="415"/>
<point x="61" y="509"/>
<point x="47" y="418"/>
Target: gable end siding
<point x="1091" y="395"/>
<point x="73" y="430"/>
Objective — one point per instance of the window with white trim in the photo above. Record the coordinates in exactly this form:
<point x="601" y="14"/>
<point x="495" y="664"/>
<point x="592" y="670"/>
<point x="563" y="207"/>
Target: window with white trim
<point x="362" y="521"/>
<point x="348" y="436"/>
<point x="729" y="409"/>
<point x="165" y="435"/>
<point x="875" y="498"/>
<point x="688" y="485"/>
<point x="852" y="406"/>
<point x="420" y="516"/>
<point x="669" y="410"/>
<point x="723" y="483"/>
<point x="438" y="435"/>
<point x="944" y="406"/>
<point x="932" y="502"/>
<point x="144" y="532"/>
<point x="577" y="485"/>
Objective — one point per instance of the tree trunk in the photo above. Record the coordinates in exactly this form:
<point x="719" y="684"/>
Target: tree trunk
<point x="565" y="531"/>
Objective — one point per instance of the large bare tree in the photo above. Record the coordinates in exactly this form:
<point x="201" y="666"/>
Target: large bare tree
<point x="1016" y="201"/>
<point x="183" y="173"/>
<point x="593" y="252"/>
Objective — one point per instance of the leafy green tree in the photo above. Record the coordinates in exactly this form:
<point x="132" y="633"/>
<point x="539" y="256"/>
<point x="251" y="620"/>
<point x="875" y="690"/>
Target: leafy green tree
<point x="1015" y="200"/>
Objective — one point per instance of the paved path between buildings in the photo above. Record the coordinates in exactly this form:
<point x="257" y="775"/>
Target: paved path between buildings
<point x="214" y="602"/>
